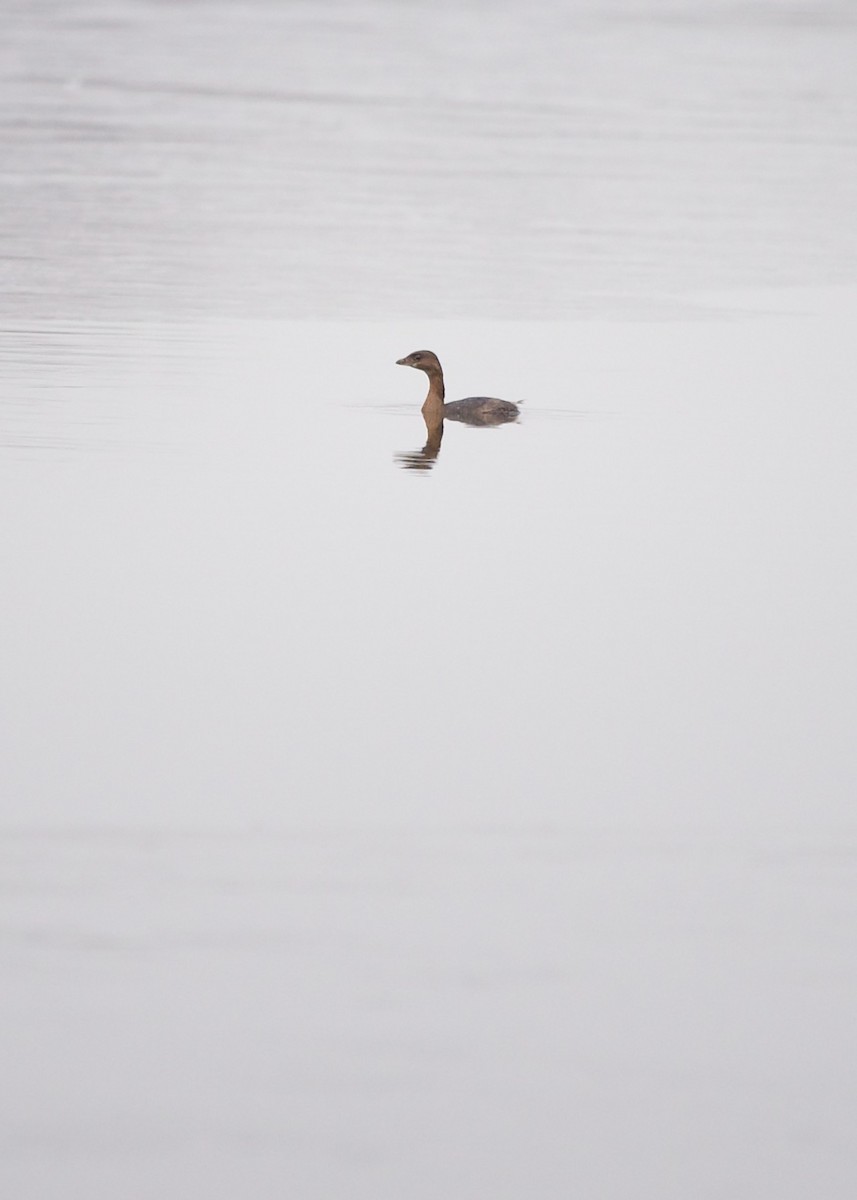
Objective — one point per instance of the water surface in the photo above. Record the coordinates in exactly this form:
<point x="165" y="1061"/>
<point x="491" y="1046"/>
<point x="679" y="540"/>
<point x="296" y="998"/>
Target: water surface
<point x="479" y="830"/>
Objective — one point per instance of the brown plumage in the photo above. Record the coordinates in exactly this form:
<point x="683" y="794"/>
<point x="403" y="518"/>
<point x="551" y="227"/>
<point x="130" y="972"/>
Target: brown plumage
<point x="473" y="410"/>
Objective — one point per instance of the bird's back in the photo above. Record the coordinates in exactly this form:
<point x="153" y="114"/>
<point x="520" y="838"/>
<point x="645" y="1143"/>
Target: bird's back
<point x="481" y="410"/>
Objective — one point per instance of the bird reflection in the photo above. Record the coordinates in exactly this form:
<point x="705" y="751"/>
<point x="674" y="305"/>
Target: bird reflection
<point x="423" y="460"/>
<point x="474" y="410"/>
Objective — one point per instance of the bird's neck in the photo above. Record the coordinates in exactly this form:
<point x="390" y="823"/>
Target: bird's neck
<point x="433" y="403"/>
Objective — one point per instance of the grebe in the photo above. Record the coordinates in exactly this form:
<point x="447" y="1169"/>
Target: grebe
<point x="474" y="410"/>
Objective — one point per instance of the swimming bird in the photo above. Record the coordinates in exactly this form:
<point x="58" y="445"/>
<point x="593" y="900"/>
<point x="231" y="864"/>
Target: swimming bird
<point x="474" y="410"/>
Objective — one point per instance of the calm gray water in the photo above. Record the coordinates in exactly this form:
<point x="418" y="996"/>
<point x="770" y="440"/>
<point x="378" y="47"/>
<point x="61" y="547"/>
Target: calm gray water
<point x="479" y="830"/>
<point x="369" y="160"/>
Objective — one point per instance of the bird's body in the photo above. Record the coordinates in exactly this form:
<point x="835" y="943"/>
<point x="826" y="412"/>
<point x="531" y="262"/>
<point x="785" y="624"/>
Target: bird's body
<point x="473" y="410"/>
<point x="481" y="410"/>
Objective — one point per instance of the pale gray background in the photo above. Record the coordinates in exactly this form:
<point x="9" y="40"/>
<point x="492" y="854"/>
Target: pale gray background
<point x="481" y="832"/>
